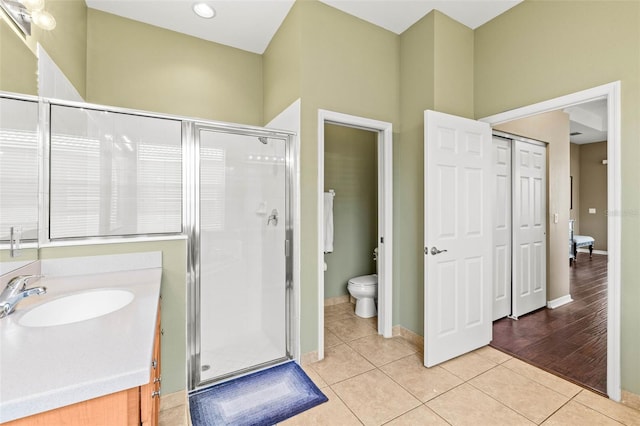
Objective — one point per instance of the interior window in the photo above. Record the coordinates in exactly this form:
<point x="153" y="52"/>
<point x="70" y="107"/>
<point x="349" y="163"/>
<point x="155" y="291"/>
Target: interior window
<point x="113" y="174"/>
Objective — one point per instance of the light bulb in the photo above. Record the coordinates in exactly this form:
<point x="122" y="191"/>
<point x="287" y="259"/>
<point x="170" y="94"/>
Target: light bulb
<point x="43" y="19"/>
<point x="204" y="10"/>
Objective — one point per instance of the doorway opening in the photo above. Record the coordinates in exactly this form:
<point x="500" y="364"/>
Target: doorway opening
<point x="568" y="337"/>
<point x="383" y="210"/>
<point x="609" y="294"/>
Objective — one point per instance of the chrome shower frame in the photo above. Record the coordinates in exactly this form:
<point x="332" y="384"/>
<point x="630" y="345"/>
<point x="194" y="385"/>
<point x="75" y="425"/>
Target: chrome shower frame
<point x="191" y="132"/>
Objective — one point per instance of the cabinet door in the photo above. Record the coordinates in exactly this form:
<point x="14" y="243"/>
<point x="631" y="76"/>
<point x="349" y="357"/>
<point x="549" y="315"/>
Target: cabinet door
<point x="150" y="393"/>
<point x="116" y="409"/>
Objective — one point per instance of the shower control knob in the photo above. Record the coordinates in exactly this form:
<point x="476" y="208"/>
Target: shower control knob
<point x="434" y="251"/>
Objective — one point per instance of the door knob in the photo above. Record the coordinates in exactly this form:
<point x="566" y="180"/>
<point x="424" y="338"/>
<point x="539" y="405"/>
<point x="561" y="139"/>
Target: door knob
<point x="434" y="251"/>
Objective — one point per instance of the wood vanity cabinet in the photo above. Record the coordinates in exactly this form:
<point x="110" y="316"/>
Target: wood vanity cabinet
<point x="150" y="393"/>
<point x="131" y="407"/>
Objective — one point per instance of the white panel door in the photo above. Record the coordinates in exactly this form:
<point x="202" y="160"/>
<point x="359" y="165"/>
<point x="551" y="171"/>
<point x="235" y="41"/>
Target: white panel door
<point x="529" y="228"/>
<point x="458" y="231"/>
<point x="502" y="228"/>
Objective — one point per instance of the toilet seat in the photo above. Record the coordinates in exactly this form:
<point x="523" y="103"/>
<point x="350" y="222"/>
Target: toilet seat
<point x="364" y="281"/>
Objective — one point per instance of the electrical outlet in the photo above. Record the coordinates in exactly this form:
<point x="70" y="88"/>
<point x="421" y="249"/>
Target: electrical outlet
<point x="592" y="210"/>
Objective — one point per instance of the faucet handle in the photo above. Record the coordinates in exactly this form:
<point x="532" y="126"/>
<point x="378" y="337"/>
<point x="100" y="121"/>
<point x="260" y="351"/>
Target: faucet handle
<point x="21" y="281"/>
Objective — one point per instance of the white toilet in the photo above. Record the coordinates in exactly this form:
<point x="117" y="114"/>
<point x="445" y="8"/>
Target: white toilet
<point x="365" y="290"/>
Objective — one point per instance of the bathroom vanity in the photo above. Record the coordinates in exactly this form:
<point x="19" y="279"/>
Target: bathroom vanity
<point x="104" y="370"/>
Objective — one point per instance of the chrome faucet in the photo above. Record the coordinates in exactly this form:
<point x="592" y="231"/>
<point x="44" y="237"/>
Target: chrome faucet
<point x="17" y="290"/>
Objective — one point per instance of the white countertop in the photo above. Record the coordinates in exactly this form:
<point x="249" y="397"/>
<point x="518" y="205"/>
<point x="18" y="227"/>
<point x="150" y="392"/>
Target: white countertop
<point x="42" y="368"/>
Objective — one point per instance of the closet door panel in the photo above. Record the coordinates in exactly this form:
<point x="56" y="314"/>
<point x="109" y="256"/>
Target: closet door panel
<point x="502" y="228"/>
<point x="529" y="215"/>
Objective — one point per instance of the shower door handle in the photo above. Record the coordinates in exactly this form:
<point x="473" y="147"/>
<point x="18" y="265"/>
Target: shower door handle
<point x="273" y="217"/>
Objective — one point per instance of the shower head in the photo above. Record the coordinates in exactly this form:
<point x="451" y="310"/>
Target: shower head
<point x="263" y="139"/>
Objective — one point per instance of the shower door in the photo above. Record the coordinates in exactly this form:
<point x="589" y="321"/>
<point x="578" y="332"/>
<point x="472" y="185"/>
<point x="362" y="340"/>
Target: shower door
<point x="241" y="252"/>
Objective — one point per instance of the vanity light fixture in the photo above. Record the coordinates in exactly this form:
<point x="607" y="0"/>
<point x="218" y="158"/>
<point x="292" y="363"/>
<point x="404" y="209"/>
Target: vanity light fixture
<point x="27" y="12"/>
<point x="203" y="10"/>
<point x="43" y="19"/>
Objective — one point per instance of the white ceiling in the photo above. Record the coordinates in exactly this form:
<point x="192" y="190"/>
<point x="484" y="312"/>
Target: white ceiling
<point x="251" y="24"/>
<point x="590" y="120"/>
<point x="398" y="15"/>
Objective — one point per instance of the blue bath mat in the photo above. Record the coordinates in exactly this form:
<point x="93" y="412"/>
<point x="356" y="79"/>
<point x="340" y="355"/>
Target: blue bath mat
<point x="262" y="398"/>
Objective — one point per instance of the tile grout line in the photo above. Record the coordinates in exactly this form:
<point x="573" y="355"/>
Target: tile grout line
<point x="542" y="384"/>
<point x="376" y="367"/>
<point x="345" y="403"/>
<point x="500" y="402"/>
<point x="595" y="409"/>
<point x="559" y="408"/>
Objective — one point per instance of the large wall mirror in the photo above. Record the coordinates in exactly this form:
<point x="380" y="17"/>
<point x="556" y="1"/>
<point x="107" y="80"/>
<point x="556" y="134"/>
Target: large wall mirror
<point x="19" y="182"/>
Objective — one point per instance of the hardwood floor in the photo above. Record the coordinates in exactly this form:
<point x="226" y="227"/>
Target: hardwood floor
<point x="569" y="341"/>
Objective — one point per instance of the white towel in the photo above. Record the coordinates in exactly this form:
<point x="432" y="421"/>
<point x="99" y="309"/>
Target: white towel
<point x="328" y="222"/>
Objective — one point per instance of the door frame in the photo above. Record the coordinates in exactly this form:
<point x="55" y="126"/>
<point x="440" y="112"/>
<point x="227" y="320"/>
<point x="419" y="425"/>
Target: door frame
<point x="384" y="131"/>
<point x="610" y="92"/>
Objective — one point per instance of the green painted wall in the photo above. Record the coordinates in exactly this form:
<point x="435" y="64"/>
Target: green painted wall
<point x="350" y="168"/>
<point x="350" y="66"/>
<point x="67" y="43"/>
<point x="540" y="50"/>
<point x="135" y="65"/>
<point x="453" y="66"/>
<point x="417" y="93"/>
<point x="574" y="167"/>
<point x="436" y="72"/>
<point x="281" y="66"/>
<point x="593" y="192"/>
<point x="18" y="65"/>
<point x="174" y="303"/>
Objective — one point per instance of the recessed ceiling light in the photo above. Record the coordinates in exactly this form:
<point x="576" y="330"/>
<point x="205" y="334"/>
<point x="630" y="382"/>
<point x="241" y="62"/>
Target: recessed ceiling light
<point x="204" y="10"/>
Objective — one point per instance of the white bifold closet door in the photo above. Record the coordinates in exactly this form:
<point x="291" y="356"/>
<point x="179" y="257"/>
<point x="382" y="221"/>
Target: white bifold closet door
<point x="502" y="228"/>
<point x="529" y="227"/>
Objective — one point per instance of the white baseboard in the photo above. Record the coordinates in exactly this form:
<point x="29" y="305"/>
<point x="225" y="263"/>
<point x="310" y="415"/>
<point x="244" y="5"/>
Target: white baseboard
<point x="556" y="303"/>
<point x="586" y="250"/>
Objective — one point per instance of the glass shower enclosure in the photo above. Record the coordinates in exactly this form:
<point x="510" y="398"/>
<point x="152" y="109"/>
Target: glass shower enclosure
<point x="240" y="251"/>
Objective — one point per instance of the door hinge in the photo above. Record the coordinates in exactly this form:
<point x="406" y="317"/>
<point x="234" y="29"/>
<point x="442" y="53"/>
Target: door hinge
<point x="287" y="249"/>
<point x="382" y="240"/>
<point x="426" y="250"/>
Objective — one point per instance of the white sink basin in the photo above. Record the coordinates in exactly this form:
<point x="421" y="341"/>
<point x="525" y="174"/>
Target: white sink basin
<point x="76" y="307"/>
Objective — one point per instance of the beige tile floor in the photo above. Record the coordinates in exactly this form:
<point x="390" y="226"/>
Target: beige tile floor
<point x="370" y="380"/>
